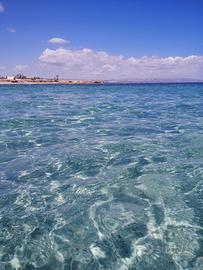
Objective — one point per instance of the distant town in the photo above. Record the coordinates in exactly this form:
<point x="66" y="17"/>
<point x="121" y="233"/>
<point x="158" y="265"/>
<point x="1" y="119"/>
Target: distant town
<point x="22" y="79"/>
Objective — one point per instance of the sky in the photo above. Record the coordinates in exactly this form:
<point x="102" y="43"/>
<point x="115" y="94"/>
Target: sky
<point x="102" y="39"/>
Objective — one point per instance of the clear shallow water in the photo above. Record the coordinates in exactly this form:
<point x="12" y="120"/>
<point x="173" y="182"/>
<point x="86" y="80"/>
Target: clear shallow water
<point x="101" y="177"/>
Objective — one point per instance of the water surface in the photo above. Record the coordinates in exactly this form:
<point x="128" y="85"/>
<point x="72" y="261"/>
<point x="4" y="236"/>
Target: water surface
<point x="101" y="177"/>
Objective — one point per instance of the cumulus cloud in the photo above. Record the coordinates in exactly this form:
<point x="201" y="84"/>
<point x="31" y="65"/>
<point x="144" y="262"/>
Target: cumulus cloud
<point x="11" y="30"/>
<point x="90" y="64"/>
<point x="21" y="67"/>
<point x="57" y="40"/>
<point x="2" y="8"/>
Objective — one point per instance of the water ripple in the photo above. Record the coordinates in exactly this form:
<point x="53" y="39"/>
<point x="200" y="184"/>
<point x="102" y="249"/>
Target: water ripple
<point x="101" y="177"/>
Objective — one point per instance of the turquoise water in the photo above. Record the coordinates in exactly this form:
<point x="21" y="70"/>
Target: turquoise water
<point x="101" y="177"/>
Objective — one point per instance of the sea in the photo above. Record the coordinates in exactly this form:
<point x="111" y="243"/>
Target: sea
<point x="99" y="177"/>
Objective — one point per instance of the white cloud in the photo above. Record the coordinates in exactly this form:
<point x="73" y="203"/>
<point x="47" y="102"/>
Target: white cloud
<point x="2" y="8"/>
<point x="86" y="63"/>
<point x="2" y="68"/>
<point x="11" y="30"/>
<point x="57" y="40"/>
<point x="21" y="67"/>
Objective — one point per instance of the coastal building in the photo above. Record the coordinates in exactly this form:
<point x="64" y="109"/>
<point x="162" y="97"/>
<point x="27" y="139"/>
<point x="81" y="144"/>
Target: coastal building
<point x="11" y="78"/>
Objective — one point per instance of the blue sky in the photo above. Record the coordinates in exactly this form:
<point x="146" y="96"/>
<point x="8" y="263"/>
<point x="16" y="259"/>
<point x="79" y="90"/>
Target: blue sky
<point x="138" y="38"/>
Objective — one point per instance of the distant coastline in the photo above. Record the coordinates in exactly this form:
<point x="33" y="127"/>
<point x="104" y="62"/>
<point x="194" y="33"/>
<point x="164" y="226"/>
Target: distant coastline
<point x="96" y="83"/>
<point x="46" y="81"/>
<point x="23" y="80"/>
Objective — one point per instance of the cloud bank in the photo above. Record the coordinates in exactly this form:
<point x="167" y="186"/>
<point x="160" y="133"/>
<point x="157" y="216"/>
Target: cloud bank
<point x="89" y="64"/>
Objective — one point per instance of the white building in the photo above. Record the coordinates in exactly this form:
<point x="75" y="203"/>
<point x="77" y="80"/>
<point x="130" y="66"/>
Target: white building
<point x="10" y="78"/>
